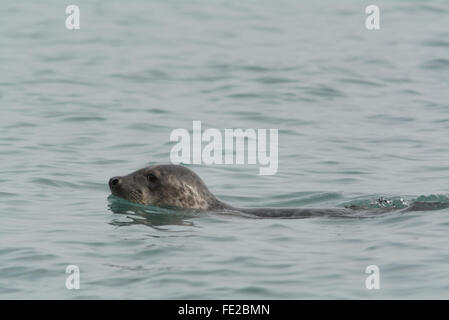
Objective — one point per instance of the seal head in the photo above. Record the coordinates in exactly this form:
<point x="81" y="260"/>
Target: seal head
<point x="165" y="186"/>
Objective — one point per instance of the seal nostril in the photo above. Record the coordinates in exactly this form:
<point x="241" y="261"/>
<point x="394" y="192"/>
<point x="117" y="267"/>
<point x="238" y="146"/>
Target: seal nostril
<point x="114" y="181"/>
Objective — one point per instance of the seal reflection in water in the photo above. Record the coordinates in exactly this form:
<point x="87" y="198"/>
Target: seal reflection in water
<point x="179" y="187"/>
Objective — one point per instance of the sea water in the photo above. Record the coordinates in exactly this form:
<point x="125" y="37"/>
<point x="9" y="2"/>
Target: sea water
<point x="361" y="114"/>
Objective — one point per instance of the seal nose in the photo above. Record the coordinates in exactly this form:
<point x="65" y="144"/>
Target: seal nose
<point x="114" y="181"/>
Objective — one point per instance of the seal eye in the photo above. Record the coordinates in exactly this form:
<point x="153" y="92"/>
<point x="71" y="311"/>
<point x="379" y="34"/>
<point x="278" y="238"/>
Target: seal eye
<point x="151" y="178"/>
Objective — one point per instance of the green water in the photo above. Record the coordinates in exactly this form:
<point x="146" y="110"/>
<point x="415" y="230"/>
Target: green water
<point x="361" y="115"/>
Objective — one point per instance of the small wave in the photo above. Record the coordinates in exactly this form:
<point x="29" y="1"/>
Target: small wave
<point x="158" y="111"/>
<point x="378" y="202"/>
<point x="7" y="194"/>
<point x="244" y="95"/>
<point x="273" y="80"/>
<point x="436" y="64"/>
<point x="54" y="183"/>
<point x="324" y="91"/>
<point x="362" y="82"/>
<point x="442" y="198"/>
<point x="152" y="216"/>
<point x="420" y="203"/>
<point x="84" y="119"/>
<point x="437" y="43"/>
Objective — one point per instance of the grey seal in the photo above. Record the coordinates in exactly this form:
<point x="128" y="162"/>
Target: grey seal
<point x="176" y="186"/>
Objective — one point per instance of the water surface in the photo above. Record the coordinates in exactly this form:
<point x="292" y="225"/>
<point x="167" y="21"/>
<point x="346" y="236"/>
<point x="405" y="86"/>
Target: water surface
<point x="361" y="115"/>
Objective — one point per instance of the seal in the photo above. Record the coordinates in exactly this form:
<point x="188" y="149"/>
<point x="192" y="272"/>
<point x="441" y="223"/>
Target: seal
<point x="176" y="186"/>
<point x="165" y="186"/>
